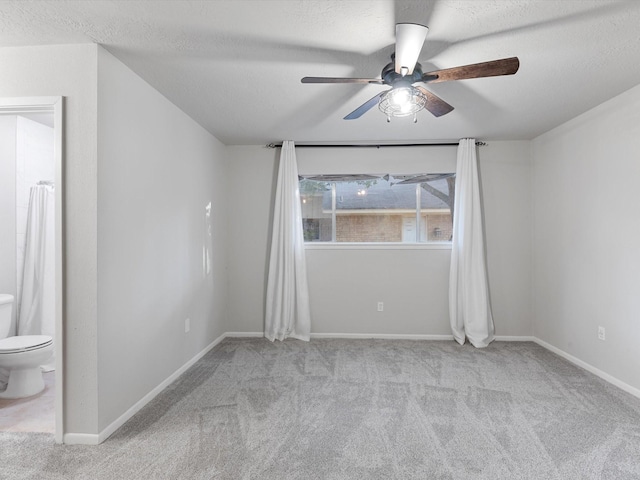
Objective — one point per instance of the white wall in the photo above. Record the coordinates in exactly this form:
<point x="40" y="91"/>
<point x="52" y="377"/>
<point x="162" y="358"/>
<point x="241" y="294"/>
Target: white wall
<point x="586" y="175"/>
<point x="345" y="286"/>
<point x="345" y="283"/>
<point x="157" y="172"/>
<point x="505" y="175"/>
<point x="250" y="182"/>
<point x="70" y="71"/>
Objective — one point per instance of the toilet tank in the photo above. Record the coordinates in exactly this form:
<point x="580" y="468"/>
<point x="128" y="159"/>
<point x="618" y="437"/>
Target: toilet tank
<point x="6" y="304"/>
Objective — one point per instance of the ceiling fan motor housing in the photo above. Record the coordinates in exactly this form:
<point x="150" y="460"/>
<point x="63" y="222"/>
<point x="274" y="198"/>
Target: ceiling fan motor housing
<point x="397" y="80"/>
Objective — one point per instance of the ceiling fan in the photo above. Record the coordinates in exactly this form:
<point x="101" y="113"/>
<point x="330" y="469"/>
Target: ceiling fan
<point x="404" y="71"/>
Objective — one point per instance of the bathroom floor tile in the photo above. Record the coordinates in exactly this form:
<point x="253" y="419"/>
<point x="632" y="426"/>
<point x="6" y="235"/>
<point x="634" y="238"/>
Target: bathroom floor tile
<point x="32" y="414"/>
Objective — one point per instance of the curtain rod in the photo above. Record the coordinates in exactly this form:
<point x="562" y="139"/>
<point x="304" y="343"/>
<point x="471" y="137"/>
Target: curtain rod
<point x="366" y="145"/>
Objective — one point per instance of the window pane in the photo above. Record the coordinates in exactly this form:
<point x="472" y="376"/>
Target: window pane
<point x="378" y="208"/>
<point x="316" y="216"/>
<point x="437" y="197"/>
<point x="374" y="211"/>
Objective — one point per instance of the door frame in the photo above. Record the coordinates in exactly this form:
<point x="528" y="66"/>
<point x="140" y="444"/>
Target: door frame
<point x="55" y="105"/>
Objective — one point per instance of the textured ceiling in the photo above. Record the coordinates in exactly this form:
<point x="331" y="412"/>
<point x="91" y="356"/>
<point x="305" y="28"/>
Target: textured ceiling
<point x="235" y="66"/>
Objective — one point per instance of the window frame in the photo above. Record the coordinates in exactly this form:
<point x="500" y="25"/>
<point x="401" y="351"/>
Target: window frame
<point x="335" y="245"/>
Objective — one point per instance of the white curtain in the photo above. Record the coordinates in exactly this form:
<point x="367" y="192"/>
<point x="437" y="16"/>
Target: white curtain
<point x="469" y="306"/>
<point x="37" y="304"/>
<point x="287" y="308"/>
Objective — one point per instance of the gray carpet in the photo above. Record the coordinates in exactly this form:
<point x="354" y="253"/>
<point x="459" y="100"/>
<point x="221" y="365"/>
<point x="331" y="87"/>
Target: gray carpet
<point x="361" y="409"/>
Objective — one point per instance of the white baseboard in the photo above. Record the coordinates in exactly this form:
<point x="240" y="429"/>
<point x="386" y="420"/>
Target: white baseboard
<point x="396" y="336"/>
<point x="244" y="335"/>
<point x="88" y="439"/>
<point x="80" y="439"/>
<point x="387" y="336"/>
<point x="513" y="338"/>
<point x="589" y="368"/>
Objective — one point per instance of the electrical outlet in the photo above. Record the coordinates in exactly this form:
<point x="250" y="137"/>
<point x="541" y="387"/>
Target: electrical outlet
<point x="187" y="325"/>
<point x="380" y="306"/>
<point x="601" y="333"/>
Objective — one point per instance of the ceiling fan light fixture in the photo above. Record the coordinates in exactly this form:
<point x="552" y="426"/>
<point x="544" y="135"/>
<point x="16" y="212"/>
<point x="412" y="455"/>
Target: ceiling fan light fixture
<point x="402" y="102"/>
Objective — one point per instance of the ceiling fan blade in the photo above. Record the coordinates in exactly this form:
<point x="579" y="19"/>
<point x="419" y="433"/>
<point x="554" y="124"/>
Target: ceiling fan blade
<point x="340" y="80"/>
<point x="435" y="104"/>
<point x="505" y="66"/>
<point x="365" y="107"/>
<point x="409" y="40"/>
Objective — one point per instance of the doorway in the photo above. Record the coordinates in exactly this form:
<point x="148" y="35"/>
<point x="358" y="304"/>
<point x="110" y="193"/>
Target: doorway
<point x="37" y="124"/>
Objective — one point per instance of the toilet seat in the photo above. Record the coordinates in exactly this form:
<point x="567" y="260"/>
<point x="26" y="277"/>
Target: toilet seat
<point x="24" y="343"/>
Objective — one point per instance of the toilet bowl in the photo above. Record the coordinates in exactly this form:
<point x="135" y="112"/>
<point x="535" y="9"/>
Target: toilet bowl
<point x="22" y="356"/>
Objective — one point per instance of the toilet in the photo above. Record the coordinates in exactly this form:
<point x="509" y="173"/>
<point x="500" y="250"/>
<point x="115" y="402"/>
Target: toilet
<point x="21" y="355"/>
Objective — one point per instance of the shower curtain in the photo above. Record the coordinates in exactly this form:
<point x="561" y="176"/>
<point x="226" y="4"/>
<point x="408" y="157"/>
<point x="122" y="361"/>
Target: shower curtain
<point x="37" y="305"/>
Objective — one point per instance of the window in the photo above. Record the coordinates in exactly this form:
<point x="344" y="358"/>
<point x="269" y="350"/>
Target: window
<point x="414" y="208"/>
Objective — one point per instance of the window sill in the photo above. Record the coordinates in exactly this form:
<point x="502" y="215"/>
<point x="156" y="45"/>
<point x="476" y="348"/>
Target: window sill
<point x="377" y="246"/>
